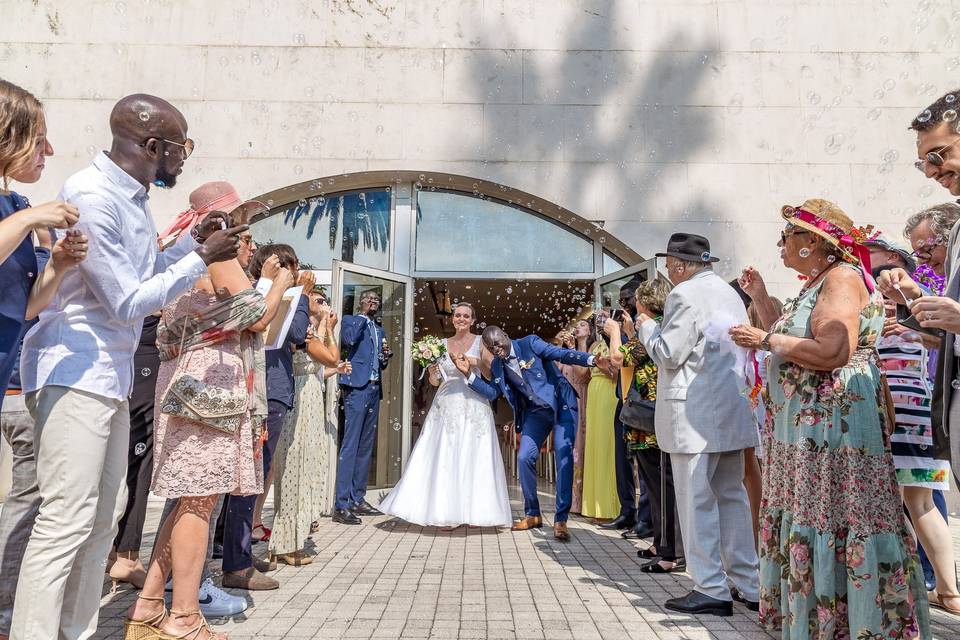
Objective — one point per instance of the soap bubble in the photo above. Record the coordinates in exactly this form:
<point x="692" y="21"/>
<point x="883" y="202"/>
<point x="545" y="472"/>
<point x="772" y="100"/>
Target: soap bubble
<point x="144" y="116"/>
<point x="833" y="143"/>
<point x="950" y="98"/>
<point x="949" y="115"/>
<point x="924" y="116"/>
<point x="299" y="38"/>
<point x="874" y="113"/>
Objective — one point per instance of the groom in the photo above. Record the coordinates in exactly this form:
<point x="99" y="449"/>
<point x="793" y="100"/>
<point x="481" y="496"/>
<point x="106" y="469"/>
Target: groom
<point x="525" y="373"/>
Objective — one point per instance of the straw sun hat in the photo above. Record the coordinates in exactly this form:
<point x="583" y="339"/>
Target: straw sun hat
<point x="829" y="221"/>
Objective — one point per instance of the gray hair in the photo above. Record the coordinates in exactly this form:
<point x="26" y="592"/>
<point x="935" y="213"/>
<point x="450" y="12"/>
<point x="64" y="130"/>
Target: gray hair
<point x="942" y="217"/>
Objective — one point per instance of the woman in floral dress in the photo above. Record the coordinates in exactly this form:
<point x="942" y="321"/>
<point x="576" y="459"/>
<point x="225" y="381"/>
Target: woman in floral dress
<point x="837" y="559"/>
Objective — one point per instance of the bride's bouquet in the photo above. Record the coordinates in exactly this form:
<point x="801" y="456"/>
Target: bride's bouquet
<point x="427" y="352"/>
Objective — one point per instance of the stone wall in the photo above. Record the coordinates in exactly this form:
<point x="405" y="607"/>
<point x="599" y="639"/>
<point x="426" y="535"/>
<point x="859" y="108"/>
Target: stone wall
<point x="650" y="115"/>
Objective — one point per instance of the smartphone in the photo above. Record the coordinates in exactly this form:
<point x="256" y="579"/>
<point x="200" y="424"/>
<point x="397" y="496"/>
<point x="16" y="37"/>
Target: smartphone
<point x="906" y="318"/>
<point x="617" y="315"/>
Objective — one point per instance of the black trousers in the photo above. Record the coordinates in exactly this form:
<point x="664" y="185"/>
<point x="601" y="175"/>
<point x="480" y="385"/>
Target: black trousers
<point x="146" y="363"/>
<point x="657" y="474"/>
<point x="626" y="487"/>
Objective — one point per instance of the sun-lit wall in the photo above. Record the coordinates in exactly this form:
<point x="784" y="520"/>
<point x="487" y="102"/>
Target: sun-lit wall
<point x="651" y="116"/>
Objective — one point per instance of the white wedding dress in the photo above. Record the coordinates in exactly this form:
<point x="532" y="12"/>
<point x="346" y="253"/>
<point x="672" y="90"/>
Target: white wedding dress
<point x="455" y="474"/>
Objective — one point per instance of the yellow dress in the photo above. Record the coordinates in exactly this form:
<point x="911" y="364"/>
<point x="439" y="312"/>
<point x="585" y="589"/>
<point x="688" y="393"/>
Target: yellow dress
<point x="599" y="459"/>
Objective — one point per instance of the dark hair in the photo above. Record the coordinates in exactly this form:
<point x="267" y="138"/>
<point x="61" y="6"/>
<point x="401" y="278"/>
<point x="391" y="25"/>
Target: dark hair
<point x="932" y="116"/>
<point x="284" y="252"/>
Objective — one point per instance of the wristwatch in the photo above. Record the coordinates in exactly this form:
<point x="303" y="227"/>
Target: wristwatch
<point x="765" y="343"/>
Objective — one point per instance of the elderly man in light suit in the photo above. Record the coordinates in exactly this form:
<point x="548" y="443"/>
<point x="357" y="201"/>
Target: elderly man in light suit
<point x="704" y="423"/>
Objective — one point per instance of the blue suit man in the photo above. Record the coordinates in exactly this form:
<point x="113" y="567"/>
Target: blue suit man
<point x="365" y="342"/>
<point x="526" y="374"/>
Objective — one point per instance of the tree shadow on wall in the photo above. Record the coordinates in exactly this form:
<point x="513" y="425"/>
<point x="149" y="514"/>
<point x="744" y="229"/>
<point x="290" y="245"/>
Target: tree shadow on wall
<point x="630" y="137"/>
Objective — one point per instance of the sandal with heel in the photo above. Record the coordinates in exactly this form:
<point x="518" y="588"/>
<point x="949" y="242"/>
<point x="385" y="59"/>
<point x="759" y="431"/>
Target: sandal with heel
<point x="146" y="629"/>
<point x="194" y="633"/>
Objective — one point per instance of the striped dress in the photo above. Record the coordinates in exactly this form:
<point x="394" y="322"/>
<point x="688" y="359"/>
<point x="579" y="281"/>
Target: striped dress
<point x="905" y="363"/>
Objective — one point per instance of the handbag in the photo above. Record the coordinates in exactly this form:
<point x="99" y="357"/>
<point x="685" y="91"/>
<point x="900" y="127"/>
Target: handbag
<point x="637" y="412"/>
<point x="215" y="407"/>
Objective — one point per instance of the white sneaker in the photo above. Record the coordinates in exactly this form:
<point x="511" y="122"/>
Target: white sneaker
<point x="217" y="603"/>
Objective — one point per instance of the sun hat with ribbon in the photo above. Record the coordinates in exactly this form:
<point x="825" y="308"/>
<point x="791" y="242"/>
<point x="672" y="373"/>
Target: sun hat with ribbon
<point x="827" y="220"/>
<point x="209" y="197"/>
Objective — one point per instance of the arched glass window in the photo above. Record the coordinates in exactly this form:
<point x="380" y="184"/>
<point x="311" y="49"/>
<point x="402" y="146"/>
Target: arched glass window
<point x="352" y="226"/>
<point x="457" y="232"/>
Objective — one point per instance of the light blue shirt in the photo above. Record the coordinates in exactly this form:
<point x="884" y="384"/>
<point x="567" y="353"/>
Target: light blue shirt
<point x="85" y="339"/>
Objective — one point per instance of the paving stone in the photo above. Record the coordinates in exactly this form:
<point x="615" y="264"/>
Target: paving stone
<point x="395" y="581"/>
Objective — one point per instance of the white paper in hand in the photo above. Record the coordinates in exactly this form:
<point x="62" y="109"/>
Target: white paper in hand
<point x="276" y="333"/>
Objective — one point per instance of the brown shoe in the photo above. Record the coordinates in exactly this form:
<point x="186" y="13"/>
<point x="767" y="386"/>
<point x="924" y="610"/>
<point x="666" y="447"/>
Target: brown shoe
<point x="262" y="565"/>
<point x="529" y="522"/>
<point x="295" y="559"/>
<point x="249" y="579"/>
<point x="560" y="531"/>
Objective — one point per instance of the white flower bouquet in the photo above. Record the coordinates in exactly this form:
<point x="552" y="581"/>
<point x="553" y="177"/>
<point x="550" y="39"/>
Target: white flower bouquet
<point x="428" y="351"/>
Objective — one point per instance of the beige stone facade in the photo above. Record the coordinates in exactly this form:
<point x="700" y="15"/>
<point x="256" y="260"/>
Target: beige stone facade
<point x="650" y="115"/>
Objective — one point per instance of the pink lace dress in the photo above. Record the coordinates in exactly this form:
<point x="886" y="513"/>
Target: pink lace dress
<point x="191" y="459"/>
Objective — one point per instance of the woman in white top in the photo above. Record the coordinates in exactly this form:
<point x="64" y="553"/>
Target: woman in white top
<point x="455" y="474"/>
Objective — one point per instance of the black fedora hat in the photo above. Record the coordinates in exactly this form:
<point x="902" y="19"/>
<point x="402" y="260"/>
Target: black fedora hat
<point x="689" y="247"/>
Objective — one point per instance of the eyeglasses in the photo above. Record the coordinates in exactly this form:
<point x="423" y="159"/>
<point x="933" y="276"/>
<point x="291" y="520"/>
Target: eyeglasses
<point x="186" y="145"/>
<point x="934" y="157"/>
<point x="247" y="240"/>
<point x="784" y="235"/>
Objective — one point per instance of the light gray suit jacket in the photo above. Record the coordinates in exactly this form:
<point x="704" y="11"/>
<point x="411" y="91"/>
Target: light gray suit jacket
<point x="700" y="407"/>
<point x="948" y="361"/>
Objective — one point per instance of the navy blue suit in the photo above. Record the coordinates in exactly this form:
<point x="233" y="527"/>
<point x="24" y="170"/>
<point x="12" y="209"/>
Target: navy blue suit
<point x="363" y="338"/>
<point x="543" y="402"/>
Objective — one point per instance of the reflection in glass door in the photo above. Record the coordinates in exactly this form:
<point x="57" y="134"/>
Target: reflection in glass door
<point x="392" y="444"/>
<point x="607" y="288"/>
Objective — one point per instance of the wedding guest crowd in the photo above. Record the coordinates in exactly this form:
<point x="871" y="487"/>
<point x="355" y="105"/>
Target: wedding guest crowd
<point x="797" y="452"/>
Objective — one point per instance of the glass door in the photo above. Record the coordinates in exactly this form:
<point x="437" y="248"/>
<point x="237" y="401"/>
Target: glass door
<point x="607" y="289"/>
<point x="392" y="444"/>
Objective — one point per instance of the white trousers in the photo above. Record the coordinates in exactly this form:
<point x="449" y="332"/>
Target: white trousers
<point x="715" y="523"/>
<point x="80" y="444"/>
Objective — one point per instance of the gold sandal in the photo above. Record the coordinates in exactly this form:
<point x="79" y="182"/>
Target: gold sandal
<point x="146" y="629"/>
<point x="939" y="601"/>
<point x="194" y="633"/>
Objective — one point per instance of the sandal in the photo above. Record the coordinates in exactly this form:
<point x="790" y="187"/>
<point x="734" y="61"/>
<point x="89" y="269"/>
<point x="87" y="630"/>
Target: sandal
<point x="146" y="629"/>
<point x="655" y="566"/>
<point x="265" y="537"/>
<point x="194" y="634"/>
<point x="940" y="602"/>
<point x="649" y="553"/>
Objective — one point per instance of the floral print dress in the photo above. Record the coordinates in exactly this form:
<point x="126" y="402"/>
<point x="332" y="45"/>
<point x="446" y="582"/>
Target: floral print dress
<point x="836" y="557"/>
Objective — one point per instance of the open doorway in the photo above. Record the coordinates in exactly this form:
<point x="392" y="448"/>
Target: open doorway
<point x="519" y="307"/>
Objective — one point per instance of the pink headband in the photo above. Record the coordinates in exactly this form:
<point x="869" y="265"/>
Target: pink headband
<point x="187" y="219"/>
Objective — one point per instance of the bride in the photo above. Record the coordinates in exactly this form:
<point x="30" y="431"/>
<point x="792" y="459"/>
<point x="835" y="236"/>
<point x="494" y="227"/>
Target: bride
<point x="455" y="474"/>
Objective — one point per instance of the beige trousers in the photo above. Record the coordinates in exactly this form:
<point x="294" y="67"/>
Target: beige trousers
<point x="80" y="444"/>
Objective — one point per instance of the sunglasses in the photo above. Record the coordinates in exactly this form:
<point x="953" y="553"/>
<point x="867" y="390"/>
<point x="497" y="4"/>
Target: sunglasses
<point x="784" y="234"/>
<point x="186" y="145"/>
<point x="934" y="157"/>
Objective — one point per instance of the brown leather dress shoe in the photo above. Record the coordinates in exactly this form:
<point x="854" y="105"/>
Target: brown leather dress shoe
<point x="560" y="531"/>
<point x="249" y="579"/>
<point x="264" y="565"/>
<point x="529" y="522"/>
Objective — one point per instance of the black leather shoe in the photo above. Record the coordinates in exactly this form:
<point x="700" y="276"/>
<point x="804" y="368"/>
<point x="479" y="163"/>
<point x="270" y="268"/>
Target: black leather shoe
<point x="366" y="509"/>
<point x="345" y="516"/>
<point x="696" y="602"/>
<point x="621" y="522"/>
<point x="749" y="604"/>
